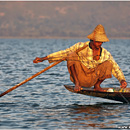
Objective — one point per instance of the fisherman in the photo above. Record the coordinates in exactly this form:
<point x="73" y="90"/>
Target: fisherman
<point x="90" y="66"/>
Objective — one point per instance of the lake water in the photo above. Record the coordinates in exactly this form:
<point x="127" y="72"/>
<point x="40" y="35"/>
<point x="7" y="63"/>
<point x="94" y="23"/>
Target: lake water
<point x="43" y="102"/>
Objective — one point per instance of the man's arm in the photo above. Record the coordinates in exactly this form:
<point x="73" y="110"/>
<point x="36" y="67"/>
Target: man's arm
<point x="117" y="72"/>
<point x="60" y="54"/>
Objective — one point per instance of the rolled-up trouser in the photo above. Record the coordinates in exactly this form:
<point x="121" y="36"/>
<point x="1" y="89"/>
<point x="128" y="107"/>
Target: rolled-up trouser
<point x="88" y="77"/>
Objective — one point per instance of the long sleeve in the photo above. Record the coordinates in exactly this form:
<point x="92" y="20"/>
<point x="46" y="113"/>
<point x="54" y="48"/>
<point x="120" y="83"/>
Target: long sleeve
<point x="116" y="70"/>
<point x="64" y="53"/>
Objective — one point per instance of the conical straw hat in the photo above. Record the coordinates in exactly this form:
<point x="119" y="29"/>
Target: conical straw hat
<point x="98" y="34"/>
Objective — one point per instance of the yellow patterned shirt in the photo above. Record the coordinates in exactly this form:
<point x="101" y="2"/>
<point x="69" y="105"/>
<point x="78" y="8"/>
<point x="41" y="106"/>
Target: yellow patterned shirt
<point x="86" y="58"/>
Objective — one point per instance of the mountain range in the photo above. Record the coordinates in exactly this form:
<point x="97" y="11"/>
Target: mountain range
<point x="63" y="19"/>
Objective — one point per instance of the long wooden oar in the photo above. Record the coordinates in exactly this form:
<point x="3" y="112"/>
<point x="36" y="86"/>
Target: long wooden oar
<point x="33" y="76"/>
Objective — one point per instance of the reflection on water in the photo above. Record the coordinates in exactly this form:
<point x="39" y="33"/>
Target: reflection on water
<point x="98" y="115"/>
<point x="84" y="116"/>
<point x="44" y="103"/>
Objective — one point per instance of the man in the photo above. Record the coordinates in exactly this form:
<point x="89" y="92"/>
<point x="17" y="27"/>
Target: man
<point x="91" y="65"/>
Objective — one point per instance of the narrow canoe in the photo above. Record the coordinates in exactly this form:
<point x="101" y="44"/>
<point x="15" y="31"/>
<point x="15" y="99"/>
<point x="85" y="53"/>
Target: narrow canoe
<point x="122" y="95"/>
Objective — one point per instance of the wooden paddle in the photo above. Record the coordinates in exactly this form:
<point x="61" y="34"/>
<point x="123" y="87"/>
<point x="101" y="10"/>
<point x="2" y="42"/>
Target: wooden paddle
<point x="33" y="76"/>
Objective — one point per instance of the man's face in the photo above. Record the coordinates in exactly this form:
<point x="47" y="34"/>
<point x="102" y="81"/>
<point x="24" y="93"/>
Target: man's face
<point x="97" y="44"/>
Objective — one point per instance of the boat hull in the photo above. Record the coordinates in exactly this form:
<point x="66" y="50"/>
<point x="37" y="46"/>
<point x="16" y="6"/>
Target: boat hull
<point x="117" y="96"/>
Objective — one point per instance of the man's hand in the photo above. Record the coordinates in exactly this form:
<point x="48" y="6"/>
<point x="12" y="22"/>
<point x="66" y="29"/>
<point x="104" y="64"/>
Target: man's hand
<point x="37" y="59"/>
<point x="123" y="84"/>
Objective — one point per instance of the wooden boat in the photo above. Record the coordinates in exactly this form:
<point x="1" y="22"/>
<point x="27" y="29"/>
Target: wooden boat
<point x="122" y="95"/>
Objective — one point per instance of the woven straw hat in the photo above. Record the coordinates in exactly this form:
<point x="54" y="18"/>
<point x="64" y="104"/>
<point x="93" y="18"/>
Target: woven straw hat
<point x="98" y="34"/>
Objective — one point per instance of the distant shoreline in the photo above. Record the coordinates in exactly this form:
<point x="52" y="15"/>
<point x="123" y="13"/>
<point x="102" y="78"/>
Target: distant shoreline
<point x="58" y="38"/>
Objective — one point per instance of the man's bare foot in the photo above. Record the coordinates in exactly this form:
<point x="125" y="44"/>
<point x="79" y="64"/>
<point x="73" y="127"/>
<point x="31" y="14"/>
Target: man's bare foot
<point x="77" y="88"/>
<point x="98" y="88"/>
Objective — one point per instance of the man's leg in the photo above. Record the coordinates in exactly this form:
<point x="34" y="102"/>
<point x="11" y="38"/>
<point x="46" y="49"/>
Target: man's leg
<point x="104" y="71"/>
<point x="75" y="77"/>
<point x="97" y="86"/>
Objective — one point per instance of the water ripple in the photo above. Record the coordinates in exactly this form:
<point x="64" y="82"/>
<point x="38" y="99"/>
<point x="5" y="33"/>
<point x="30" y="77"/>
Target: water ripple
<point x="43" y="102"/>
